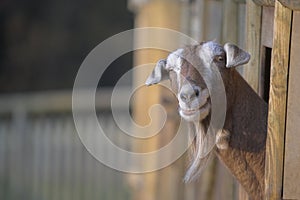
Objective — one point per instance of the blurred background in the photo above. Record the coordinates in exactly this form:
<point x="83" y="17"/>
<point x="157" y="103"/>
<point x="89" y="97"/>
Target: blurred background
<point x="42" y="45"/>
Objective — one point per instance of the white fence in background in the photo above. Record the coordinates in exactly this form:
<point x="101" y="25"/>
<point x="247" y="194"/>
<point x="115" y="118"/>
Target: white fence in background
<point x="41" y="156"/>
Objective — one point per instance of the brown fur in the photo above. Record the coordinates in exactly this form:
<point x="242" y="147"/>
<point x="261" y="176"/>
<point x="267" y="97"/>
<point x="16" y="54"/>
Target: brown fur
<point x="246" y="123"/>
<point x="245" y="156"/>
<point x="245" y="131"/>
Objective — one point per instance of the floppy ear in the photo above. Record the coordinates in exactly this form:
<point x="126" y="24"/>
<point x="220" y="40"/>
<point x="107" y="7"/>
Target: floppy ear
<point x="235" y="56"/>
<point x="158" y="74"/>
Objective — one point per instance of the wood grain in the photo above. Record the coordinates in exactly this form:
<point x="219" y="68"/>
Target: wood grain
<point x="267" y="26"/>
<point x="265" y="2"/>
<point x="230" y="21"/>
<point x="153" y="14"/>
<point x="291" y="180"/>
<point x="252" y="69"/>
<point x="291" y="4"/>
<point x="253" y="43"/>
<point x="277" y="102"/>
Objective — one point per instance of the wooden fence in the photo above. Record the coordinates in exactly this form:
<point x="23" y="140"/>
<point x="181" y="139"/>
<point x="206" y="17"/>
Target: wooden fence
<point x="41" y="156"/>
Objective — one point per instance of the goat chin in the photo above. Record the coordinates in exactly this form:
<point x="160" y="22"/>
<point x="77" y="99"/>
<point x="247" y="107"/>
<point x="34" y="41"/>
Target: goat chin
<point x="202" y="143"/>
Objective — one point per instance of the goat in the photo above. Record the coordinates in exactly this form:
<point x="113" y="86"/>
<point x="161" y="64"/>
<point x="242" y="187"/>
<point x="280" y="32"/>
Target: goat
<point x="240" y="142"/>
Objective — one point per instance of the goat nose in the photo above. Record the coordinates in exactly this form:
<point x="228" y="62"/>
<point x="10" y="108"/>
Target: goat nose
<point x="189" y="93"/>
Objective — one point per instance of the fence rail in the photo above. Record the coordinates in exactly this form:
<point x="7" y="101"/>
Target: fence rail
<point x="58" y="101"/>
<point x="41" y="156"/>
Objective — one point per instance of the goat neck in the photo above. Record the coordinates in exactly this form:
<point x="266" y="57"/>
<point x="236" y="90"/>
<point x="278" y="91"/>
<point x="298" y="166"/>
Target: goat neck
<point x="246" y="122"/>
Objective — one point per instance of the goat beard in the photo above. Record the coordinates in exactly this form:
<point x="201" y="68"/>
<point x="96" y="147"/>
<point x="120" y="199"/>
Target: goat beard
<point x="202" y="138"/>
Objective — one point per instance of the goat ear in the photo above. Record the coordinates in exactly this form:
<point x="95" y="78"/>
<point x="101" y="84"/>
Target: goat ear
<point x="158" y="74"/>
<point x="235" y="56"/>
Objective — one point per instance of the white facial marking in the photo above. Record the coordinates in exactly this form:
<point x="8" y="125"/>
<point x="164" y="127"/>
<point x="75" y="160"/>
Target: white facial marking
<point x="174" y="61"/>
<point x="198" y="107"/>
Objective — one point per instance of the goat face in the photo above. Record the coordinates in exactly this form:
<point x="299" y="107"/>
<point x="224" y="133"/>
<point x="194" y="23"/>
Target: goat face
<point x="192" y="71"/>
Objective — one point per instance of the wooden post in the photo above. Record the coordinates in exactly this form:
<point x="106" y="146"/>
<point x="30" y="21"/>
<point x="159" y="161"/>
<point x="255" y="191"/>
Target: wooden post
<point x="253" y="45"/>
<point x="252" y="69"/>
<point x="164" y="14"/>
<point x="277" y="102"/>
<point x="291" y="182"/>
<point x="230" y="21"/>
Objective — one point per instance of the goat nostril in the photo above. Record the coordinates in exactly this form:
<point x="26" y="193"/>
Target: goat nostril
<point x="183" y="97"/>
<point x="197" y="92"/>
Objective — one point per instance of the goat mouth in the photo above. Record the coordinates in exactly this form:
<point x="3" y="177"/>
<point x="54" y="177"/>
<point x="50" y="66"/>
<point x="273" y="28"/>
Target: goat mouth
<point x="195" y="113"/>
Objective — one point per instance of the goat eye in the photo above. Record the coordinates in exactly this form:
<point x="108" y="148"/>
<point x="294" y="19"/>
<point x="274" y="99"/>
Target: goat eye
<point x="219" y="58"/>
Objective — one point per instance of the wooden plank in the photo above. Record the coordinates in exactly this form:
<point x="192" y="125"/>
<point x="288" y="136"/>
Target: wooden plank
<point x="4" y="139"/>
<point x="242" y="193"/>
<point x="277" y="102"/>
<point x="267" y="26"/>
<point x="197" y="24"/>
<point x="230" y="21"/>
<point x="291" y="180"/>
<point x="226" y="187"/>
<point x="266" y="42"/>
<point x="152" y="14"/>
<point x="253" y="46"/>
<point x="292" y="4"/>
<point x="265" y="2"/>
<point x="213" y="20"/>
<point x="60" y="101"/>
